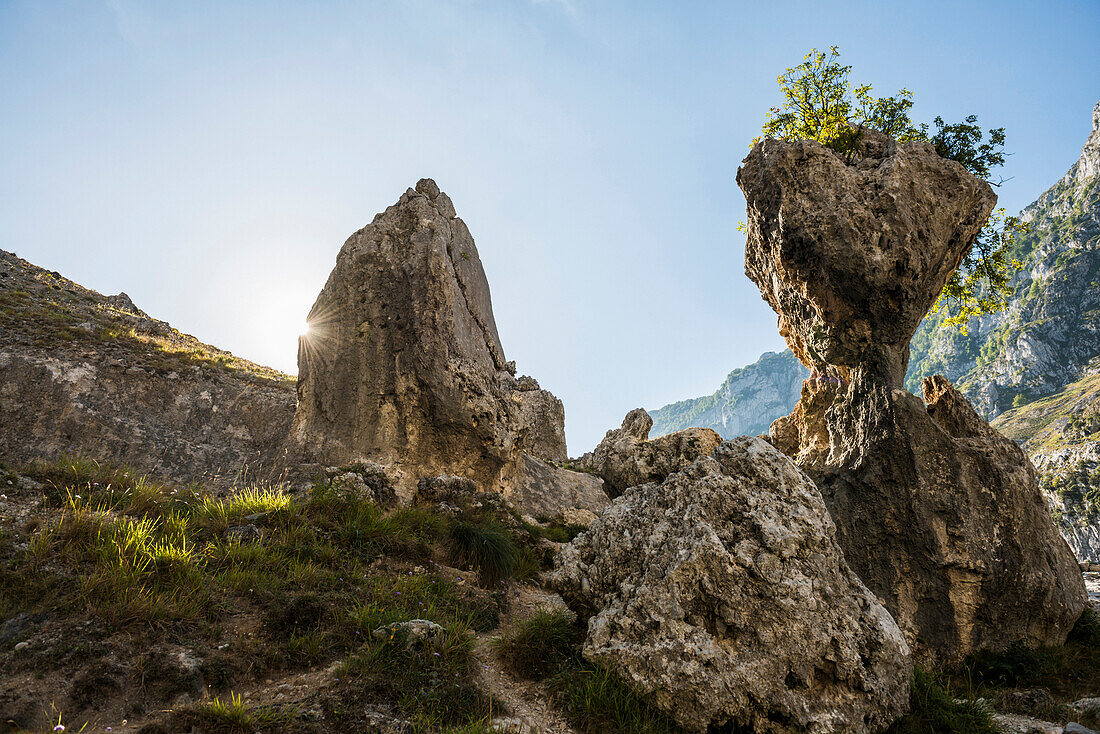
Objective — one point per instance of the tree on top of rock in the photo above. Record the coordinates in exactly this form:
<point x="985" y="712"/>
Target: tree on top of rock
<point x="821" y="103"/>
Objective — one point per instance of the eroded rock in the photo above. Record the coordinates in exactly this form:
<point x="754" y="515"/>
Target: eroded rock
<point x="939" y="515"/>
<point x="626" y="457"/>
<point x="851" y="257"/>
<point x="403" y="364"/>
<point x="723" y="596"/>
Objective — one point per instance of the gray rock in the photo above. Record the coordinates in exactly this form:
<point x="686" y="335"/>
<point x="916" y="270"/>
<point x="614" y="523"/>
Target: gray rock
<point x="404" y="365"/>
<point x="549" y="492"/>
<point x="415" y="632"/>
<point x="1075" y="728"/>
<point x="243" y="533"/>
<point x="851" y="256"/>
<point x="626" y="457"/>
<point x="722" y="596"/>
<point x="938" y="514"/>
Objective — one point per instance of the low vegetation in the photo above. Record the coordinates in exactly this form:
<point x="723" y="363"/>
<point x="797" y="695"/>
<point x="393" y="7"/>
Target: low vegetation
<point x="126" y="577"/>
<point x="258" y="582"/>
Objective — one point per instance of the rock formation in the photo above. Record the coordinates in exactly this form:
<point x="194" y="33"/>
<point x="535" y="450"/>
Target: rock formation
<point x="722" y="594"/>
<point x="403" y="364"/>
<point x="91" y="376"/>
<point x="626" y="457"/>
<point x="938" y="514"/>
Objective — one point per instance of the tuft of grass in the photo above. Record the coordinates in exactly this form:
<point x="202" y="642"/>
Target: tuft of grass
<point x="233" y="716"/>
<point x="934" y="709"/>
<point x="597" y="700"/>
<point x="434" y="683"/>
<point x="485" y="546"/>
<point x="543" y="644"/>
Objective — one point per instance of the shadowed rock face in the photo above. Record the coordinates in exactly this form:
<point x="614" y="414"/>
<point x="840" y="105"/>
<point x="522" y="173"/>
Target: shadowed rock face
<point x="721" y="593"/>
<point x="403" y="364"/>
<point x="938" y="513"/>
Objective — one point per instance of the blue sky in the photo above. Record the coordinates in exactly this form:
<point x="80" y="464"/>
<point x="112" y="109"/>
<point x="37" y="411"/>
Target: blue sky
<point x="209" y="158"/>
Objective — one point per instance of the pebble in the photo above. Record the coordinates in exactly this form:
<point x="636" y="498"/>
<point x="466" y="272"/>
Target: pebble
<point x="22" y="646"/>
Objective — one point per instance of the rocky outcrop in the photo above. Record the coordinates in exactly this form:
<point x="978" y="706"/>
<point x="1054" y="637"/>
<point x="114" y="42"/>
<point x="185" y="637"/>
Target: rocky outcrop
<point x="86" y="375"/>
<point x="626" y="457"/>
<point x="851" y="256"/>
<point x="938" y="514"/>
<point x="745" y="405"/>
<point x="723" y="596"/>
<point x="403" y="364"/>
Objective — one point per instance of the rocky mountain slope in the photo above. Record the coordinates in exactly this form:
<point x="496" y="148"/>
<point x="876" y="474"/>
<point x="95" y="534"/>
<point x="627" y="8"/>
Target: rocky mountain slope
<point x="1051" y="328"/>
<point x="746" y="403"/>
<point x="91" y="375"/>
<point x="1034" y="368"/>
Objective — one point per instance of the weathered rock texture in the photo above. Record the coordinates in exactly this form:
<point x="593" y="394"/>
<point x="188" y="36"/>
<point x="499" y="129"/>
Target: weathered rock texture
<point x="722" y="594"/>
<point x="92" y="376"/>
<point x="938" y="514"/>
<point x="851" y="257"/>
<point x="545" y="491"/>
<point x="404" y="365"/>
<point x="626" y="457"/>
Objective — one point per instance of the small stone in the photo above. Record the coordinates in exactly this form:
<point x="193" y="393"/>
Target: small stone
<point x="243" y="533"/>
<point x="20" y="646"/>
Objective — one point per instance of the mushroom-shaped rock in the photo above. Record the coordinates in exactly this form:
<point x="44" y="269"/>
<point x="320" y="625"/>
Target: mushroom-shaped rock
<point x="852" y="255"/>
<point x="722" y="595"/>
<point x="626" y="457"/>
<point x="403" y="364"/>
<point x="939" y="515"/>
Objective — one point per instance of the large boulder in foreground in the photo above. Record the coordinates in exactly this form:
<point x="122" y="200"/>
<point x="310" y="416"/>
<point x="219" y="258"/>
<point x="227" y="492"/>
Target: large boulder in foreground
<point x="722" y="595"/>
<point x="626" y="457"/>
<point x="939" y="515"/>
<point x="403" y="364"/>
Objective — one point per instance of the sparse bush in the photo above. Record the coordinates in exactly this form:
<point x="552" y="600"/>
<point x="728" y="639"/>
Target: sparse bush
<point x="542" y="645"/>
<point x="486" y="547"/>
<point x="598" y="700"/>
<point x="934" y="709"/>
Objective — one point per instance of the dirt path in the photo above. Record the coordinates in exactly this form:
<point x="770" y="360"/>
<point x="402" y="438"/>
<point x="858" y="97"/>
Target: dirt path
<point x="528" y="702"/>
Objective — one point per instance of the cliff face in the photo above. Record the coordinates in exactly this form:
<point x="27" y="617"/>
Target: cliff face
<point x="404" y="366"/>
<point x="746" y="403"/>
<point x="82" y="374"/>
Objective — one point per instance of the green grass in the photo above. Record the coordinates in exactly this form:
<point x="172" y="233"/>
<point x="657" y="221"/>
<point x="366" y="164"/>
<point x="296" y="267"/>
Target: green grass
<point x="433" y="683"/>
<point x="936" y="709"/>
<point x="154" y="562"/>
<point x="599" y="701"/>
<point x="485" y="546"/>
<point x="233" y="716"/>
<point x="542" y="645"/>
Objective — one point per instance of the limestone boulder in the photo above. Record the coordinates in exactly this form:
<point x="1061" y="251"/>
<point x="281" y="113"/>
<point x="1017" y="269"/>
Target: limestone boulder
<point x="548" y="492"/>
<point x="626" y="457"/>
<point x="403" y="364"/>
<point x="722" y="595"/>
<point x="852" y="254"/>
<point x="939" y="515"/>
